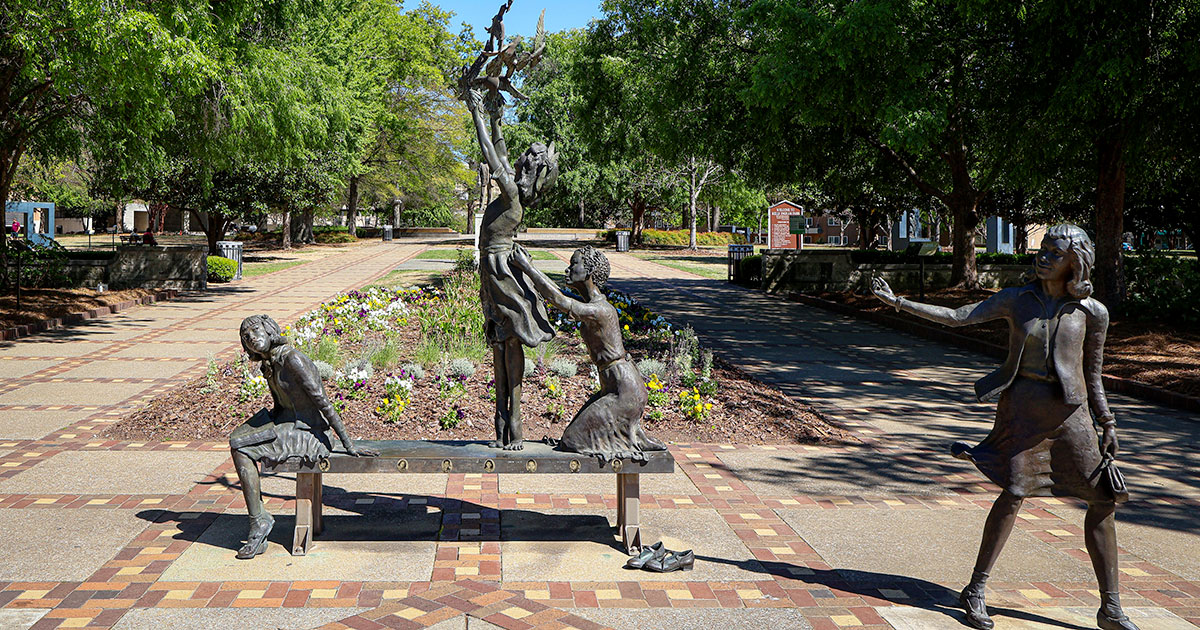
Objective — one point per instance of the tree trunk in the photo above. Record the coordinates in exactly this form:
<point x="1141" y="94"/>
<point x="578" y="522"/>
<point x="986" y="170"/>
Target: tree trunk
<point x="352" y="207"/>
<point x="214" y="228"/>
<point x="398" y="213"/>
<point x="963" y="272"/>
<point x="286" y="232"/>
<point x="1109" y="279"/>
<point x="302" y="230"/>
<point x="716" y="217"/>
<point x="693" y="194"/>
<point x="637" y="212"/>
<point x="581" y="214"/>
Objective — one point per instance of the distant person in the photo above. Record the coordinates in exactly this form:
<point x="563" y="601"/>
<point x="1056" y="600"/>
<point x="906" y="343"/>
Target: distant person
<point x="16" y="227"/>
<point x="148" y="238"/>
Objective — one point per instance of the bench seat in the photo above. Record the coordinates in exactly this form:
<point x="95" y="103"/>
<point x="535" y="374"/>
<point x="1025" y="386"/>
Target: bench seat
<point x="415" y="456"/>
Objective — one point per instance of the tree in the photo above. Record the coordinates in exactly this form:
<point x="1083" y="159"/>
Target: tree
<point x="664" y="80"/>
<point x="929" y="85"/>
<point x="1118" y="80"/>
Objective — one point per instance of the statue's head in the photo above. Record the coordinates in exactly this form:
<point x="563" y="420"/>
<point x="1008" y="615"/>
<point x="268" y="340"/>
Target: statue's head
<point x="588" y="262"/>
<point x="1067" y="253"/>
<point x="537" y="170"/>
<point x="260" y="334"/>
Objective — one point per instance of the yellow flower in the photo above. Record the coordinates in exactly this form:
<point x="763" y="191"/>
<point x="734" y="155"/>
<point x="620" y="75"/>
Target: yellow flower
<point x="626" y="327"/>
<point x="707" y="406"/>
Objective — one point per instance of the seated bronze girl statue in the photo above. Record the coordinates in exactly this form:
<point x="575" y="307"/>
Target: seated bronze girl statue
<point x="297" y="426"/>
<point x="609" y="425"/>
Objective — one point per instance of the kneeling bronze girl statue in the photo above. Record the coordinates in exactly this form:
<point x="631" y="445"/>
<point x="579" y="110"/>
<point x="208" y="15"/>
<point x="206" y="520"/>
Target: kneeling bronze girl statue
<point x="298" y="426"/>
<point x="1050" y="390"/>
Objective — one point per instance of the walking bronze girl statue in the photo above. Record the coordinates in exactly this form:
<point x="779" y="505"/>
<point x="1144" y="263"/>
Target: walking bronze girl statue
<point x="1050" y="389"/>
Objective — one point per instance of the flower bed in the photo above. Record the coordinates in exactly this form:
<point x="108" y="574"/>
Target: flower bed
<point x="413" y="364"/>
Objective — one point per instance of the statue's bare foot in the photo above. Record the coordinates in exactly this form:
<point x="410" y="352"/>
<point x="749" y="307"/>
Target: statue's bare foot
<point x="515" y="446"/>
<point x="497" y="444"/>
<point x="260" y="530"/>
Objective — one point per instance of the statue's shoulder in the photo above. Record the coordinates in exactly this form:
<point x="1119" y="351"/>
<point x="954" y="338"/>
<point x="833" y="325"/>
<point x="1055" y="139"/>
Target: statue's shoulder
<point x="1095" y="308"/>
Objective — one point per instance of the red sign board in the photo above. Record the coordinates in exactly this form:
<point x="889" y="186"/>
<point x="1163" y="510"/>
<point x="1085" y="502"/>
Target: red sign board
<point x="777" y="226"/>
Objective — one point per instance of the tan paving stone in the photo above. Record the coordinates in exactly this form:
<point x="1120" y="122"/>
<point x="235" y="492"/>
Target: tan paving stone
<point x="904" y="618"/>
<point x="181" y="350"/>
<point x="72" y="393"/>
<point x="115" y="472"/>
<point x="27" y="425"/>
<point x="1167" y="536"/>
<point x="129" y="369"/>
<point x="695" y="618"/>
<point x="201" y="336"/>
<point x="937" y="545"/>
<point x="827" y="472"/>
<point x="675" y="484"/>
<point x="14" y="368"/>
<point x="231" y="618"/>
<point x="20" y="619"/>
<point x="35" y="347"/>
<point x="565" y="545"/>
<point x="62" y="545"/>
<point x="396" y="545"/>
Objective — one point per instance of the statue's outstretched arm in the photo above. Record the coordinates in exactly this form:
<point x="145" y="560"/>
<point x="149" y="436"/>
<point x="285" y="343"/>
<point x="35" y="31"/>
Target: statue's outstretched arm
<point x="475" y="105"/>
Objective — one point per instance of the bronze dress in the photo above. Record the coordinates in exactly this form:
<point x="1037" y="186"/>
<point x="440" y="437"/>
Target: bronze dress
<point x="303" y="434"/>
<point x="1040" y="445"/>
<point x="511" y="307"/>
<point x="1050" y="386"/>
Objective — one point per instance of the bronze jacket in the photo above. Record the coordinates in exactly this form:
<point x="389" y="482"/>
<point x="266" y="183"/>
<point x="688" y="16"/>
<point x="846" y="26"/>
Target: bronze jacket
<point x="1077" y="346"/>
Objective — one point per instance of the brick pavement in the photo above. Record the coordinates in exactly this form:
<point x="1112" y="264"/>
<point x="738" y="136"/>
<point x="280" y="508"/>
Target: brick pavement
<point x="781" y="514"/>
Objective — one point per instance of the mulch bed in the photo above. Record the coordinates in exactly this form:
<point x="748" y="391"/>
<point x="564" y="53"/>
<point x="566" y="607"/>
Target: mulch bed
<point x="38" y="305"/>
<point x="745" y="410"/>
<point x="1157" y="354"/>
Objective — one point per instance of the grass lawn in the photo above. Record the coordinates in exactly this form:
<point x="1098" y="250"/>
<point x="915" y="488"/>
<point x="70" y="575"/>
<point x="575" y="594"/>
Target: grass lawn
<point x="712" y="266"/>
<point x="250" y="270"/>
<point x="452" y="254"/>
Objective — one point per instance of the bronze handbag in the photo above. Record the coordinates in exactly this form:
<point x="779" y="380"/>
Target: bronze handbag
<point x="1111" y="476"/>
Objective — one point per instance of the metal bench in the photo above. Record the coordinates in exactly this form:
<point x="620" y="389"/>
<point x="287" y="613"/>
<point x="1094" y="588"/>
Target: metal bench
<point x="411" y="456"/>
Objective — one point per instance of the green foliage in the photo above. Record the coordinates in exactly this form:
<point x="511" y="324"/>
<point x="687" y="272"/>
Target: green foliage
<point x="460" y="368"/>
<point x="325" y="349"/>
<point x="551" y="387"/>
<point x="335" y="237"/>
<point x="563" y="368"/>
<point x="451" y="418"/>
<point x="652" y="367"/>
<point x="680" y="238"/>
<point x="750" y="269"/>
<point x="1163" y="288"/>
<point x="386" y="355"/>
<point x="221" y="269"/>
<point x="41" y="266"/>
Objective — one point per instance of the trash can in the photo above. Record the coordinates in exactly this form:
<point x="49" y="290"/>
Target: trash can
<point x="387" y="232"/>
<point x="233" y="251"/>
<point x="622" y="241"/>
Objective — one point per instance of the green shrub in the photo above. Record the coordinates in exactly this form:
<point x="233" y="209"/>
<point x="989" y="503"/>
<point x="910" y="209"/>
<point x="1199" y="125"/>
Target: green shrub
<point x="563" y="368"/>
<point x="1162" y="287"/>
<point x="42" y="266"/>
<point x="333" y="236"/>
<point x="221" y="269"/>
<point x="652" y="367"/>
<point x="681" y="238"/>
<point x="460" y="368"/>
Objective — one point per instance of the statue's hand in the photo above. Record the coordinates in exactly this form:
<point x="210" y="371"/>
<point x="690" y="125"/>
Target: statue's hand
<point x="1108" y="441"/>
<point x="882" y="290"/>
<point x="519" y="258"/>
<point x="354" y="451"/>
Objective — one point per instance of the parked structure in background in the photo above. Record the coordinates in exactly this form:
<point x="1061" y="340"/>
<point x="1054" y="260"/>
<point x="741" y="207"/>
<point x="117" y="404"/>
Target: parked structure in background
<point x="819" y="228"/>
<point x="34" y="219"/>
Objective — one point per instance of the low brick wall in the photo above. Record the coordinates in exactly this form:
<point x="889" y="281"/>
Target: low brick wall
<point x="787" y="270"/>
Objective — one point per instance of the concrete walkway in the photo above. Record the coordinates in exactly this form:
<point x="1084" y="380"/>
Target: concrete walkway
<point x="874" y="534"/>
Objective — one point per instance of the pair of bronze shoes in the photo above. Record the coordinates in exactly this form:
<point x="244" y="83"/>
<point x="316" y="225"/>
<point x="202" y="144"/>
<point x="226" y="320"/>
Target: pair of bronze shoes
<point x="658" y="559"/>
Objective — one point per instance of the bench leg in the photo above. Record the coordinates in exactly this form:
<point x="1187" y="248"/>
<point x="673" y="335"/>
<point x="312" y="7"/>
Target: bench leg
<point x="628" y="501"/>
<point x="307" y="506"/>
<point x="318" y="505"/>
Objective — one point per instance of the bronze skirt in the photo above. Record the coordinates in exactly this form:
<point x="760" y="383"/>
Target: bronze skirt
<point x="511" y="306"/>
<point x="1041" y="445"/>
<point x="263" y="441"/>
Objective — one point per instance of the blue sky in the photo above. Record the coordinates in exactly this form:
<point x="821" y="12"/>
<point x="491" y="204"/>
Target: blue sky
<point x="522" y="18"/>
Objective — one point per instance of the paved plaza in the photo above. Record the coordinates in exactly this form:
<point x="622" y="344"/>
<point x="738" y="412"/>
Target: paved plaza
<point x="877" y="533"/>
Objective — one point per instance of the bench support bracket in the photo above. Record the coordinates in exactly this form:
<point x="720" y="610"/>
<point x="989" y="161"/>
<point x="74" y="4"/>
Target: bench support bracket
<point x="309" y="521"/>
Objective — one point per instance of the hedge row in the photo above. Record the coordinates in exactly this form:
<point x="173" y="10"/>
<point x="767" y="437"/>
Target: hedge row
<point x="681" y="238"/>
<point x="221" y="269"/>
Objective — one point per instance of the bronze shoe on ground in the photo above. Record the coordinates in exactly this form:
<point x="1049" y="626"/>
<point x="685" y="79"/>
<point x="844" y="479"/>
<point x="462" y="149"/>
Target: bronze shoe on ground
<point x="260" y="530"/>
<point x="971" y="599"/>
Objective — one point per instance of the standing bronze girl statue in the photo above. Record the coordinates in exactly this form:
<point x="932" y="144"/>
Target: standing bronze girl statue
<point x="515" y="314"/>
<point x="1050" y="389"/>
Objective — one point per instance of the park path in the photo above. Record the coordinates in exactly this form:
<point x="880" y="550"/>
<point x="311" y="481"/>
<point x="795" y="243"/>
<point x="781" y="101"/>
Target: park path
<point x="97" y="370"/>
<point x="101" y="533"/>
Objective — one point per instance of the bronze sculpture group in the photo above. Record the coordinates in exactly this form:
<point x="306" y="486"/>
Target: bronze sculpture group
<point x="1049" y="389"/>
